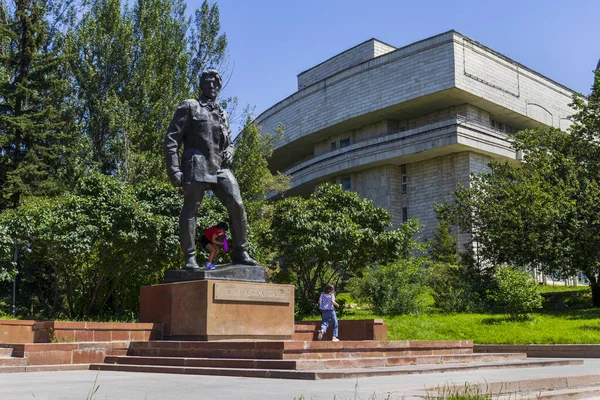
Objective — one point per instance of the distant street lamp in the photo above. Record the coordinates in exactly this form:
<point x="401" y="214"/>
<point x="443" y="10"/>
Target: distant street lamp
<point x="14" y="292"/>
<point x="14" y="285"/>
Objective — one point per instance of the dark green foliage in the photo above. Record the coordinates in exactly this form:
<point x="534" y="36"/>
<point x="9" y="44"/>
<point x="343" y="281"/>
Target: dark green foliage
<point x="94" y="248"/>
<point x="455" y="287"/>
<point x="131" y="70"/>
<point x="544" y="212"/>
<point x="443" y="246"/>
<point x="253" y="148"/>
<point x="38" y="142"/>
<point x="331" y="236"/>
<point x="516" y="293"/>
<point x="392" y="289"/>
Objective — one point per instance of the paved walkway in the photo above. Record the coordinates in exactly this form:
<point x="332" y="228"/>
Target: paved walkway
<point x="143" y="386"/>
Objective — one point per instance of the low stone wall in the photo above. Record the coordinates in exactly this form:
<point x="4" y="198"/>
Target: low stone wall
<point x="25" y="331"/>
<point x="360" y="329"/>
<point x="29" y="331"/>
<point x="67" y="353"/>
<point x="543" y="350"/>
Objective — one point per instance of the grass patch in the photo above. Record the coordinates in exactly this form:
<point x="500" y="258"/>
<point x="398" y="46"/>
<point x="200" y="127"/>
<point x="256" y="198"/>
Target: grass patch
<point x="467" y="392"/>
<point x="554" y="289"/>
<point x="546" y="327"/>
<point x="578" y="323"/>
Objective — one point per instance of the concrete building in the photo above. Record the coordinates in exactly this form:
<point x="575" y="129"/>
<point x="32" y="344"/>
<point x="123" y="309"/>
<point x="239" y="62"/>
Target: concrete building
<point x="402" y="126"/>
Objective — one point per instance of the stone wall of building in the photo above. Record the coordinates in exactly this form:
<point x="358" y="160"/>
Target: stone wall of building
<point x="432" y="181"/>
<point x="410" y="72"/>
<point x="365" y="51"/>
<point x="374" y="184"/>
<point x="496" y="78"/>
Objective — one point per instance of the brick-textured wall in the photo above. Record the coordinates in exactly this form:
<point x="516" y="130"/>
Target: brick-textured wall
<point x="374" y="184"/>
<point x="432" y="181"/>
<point x="493" y="77"/>
<point x="365" y="51"/>
<point x="408" y="73"/>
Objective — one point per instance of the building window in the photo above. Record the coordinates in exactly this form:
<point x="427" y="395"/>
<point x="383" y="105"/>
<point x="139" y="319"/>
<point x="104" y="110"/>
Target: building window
<point x="404" y="214"/>
<point x="346" y="184"/>
<point x="404" y="177"/>
<point x="332" y="146"/>
<point x="344" y="143"/>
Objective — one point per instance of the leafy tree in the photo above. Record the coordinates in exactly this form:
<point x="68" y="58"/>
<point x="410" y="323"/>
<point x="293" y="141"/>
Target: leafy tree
<point x="37" y="133"/>
<point x="102" y="47"/>
<point x="132" y="67"/>
<point x="331" y="236"/>
<point x="159" y="81"/>
<point x="542" y="213"/>
<point x="253" y="148"/>
<point x="94" y="248"/>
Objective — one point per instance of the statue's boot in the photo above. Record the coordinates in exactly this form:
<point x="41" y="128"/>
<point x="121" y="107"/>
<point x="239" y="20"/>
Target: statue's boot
<point x="191" y="264"/>
<point x="243" y="258"/>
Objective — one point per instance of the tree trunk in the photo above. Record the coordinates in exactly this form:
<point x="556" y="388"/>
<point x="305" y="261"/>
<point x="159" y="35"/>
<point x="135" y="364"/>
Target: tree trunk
<point x="595" y="294"/>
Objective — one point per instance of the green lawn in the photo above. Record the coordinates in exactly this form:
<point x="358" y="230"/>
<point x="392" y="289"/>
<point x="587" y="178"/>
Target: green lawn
<point x="580" y="323"/>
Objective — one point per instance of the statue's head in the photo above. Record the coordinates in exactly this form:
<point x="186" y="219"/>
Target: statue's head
<point x="210" y="83"/>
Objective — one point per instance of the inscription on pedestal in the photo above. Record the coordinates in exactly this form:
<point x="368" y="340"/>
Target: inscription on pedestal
<point x="252" y="293"/>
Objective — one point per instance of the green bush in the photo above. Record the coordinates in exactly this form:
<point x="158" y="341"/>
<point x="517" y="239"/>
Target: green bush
<point x="516" y="293"/>
<point x="453" y="288"/>
<point x="392" y="289"/>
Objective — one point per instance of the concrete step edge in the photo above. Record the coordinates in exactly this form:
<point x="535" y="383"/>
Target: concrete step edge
<point x="242" y="372"/>
<point x="562" y="394"/>
<point x="435" y="368"/>
<point x="14" y="361"/>
<point x="322" y="374"/>
<point x="532" y="386"/>
<point x="43" y="368"/>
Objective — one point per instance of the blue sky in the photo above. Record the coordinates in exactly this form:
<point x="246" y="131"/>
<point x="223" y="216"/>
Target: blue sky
<point x="271" y="42"/>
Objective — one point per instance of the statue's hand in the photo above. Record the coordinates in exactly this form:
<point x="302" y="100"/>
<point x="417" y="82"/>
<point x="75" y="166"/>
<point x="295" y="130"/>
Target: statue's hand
<point x="177" y="179"/>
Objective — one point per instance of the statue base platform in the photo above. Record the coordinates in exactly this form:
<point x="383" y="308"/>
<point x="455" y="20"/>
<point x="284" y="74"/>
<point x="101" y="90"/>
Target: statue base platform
<point x="220" y="310"/>
<point x="228" y="272"/>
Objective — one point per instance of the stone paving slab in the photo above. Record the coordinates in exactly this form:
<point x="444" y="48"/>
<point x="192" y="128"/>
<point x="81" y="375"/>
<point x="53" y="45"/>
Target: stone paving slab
<point x="132" y="386"/>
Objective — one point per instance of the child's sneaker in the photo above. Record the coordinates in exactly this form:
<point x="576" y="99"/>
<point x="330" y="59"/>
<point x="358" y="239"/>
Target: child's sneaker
<point x="335" y="339"/>
<point x="320" y="335"/>
<point x="210" y="266"/>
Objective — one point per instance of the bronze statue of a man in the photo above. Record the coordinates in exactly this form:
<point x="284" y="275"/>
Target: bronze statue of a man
<point x="203" y="128"/>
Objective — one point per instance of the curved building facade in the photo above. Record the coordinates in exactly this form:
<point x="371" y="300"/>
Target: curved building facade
<point x="402" y="126"/>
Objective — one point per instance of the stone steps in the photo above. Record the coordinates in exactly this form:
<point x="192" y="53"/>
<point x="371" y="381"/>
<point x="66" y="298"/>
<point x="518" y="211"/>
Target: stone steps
<point x="291" y="350"/>
<point x="12" y="361"/>
<point x="314" y="364"/>
<point x="45" y="368"/>
<point x="312" y="360"/>
<point x="8" y="362"/>
<point x="328" y="374"/>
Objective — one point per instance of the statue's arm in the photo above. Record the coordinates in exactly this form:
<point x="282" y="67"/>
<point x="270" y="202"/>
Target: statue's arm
<point x="173" y="140"/>
<point x="228" y="148"/>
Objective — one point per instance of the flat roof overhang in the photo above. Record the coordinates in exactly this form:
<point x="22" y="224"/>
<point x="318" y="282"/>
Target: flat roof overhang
<point x="303" y="148"/>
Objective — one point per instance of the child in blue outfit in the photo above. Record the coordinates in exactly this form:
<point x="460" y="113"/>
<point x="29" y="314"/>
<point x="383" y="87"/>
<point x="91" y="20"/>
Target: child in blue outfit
<point x="326" y="304"/>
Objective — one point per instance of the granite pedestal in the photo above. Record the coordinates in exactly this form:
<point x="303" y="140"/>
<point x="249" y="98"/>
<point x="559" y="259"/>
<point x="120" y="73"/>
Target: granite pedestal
<point x="218" y="309"/>
<point x="228" y="272"/>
